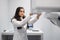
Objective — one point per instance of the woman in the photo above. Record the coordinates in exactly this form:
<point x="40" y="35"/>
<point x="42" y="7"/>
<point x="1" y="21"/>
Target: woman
<point x="19" y="21"/>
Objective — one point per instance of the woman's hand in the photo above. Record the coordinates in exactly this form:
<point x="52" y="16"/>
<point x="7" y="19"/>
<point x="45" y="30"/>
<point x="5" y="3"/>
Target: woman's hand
<point x="38" y="15"/>
<point x="31" y="14"/>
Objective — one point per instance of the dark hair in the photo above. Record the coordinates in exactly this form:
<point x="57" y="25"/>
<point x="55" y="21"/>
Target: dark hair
<point x="16" y="16"/>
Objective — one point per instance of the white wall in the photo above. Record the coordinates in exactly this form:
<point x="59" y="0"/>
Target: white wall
<point x="46" y="3"/>
<point x="3" y="15"/>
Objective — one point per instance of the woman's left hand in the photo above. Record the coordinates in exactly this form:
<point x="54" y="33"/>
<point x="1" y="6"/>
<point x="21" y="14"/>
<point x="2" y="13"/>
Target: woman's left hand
<point x="38" y="15"/>
<point x="31" y="14"/>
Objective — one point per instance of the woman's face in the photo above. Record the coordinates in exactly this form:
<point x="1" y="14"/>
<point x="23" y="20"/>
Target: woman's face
<point x="21" y="12"/>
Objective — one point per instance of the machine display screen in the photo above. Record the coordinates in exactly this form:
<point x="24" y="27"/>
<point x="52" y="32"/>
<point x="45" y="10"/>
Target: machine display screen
<point x="29" y="25"/>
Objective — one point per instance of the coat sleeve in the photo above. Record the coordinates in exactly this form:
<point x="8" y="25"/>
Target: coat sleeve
<point x="20" y="23"/>
<point x="33" y="20"/>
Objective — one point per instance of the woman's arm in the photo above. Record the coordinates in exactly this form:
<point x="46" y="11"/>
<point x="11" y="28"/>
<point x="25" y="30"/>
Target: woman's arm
<point x="35" y="19"/>
<point x="21" y="23"/>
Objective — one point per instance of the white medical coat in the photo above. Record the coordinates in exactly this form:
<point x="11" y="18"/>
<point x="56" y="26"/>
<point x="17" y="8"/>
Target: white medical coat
<point x="20" y="34"/>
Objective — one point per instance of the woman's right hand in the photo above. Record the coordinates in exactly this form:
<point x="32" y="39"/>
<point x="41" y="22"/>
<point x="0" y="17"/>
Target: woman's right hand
<point x="30" y="14"/>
